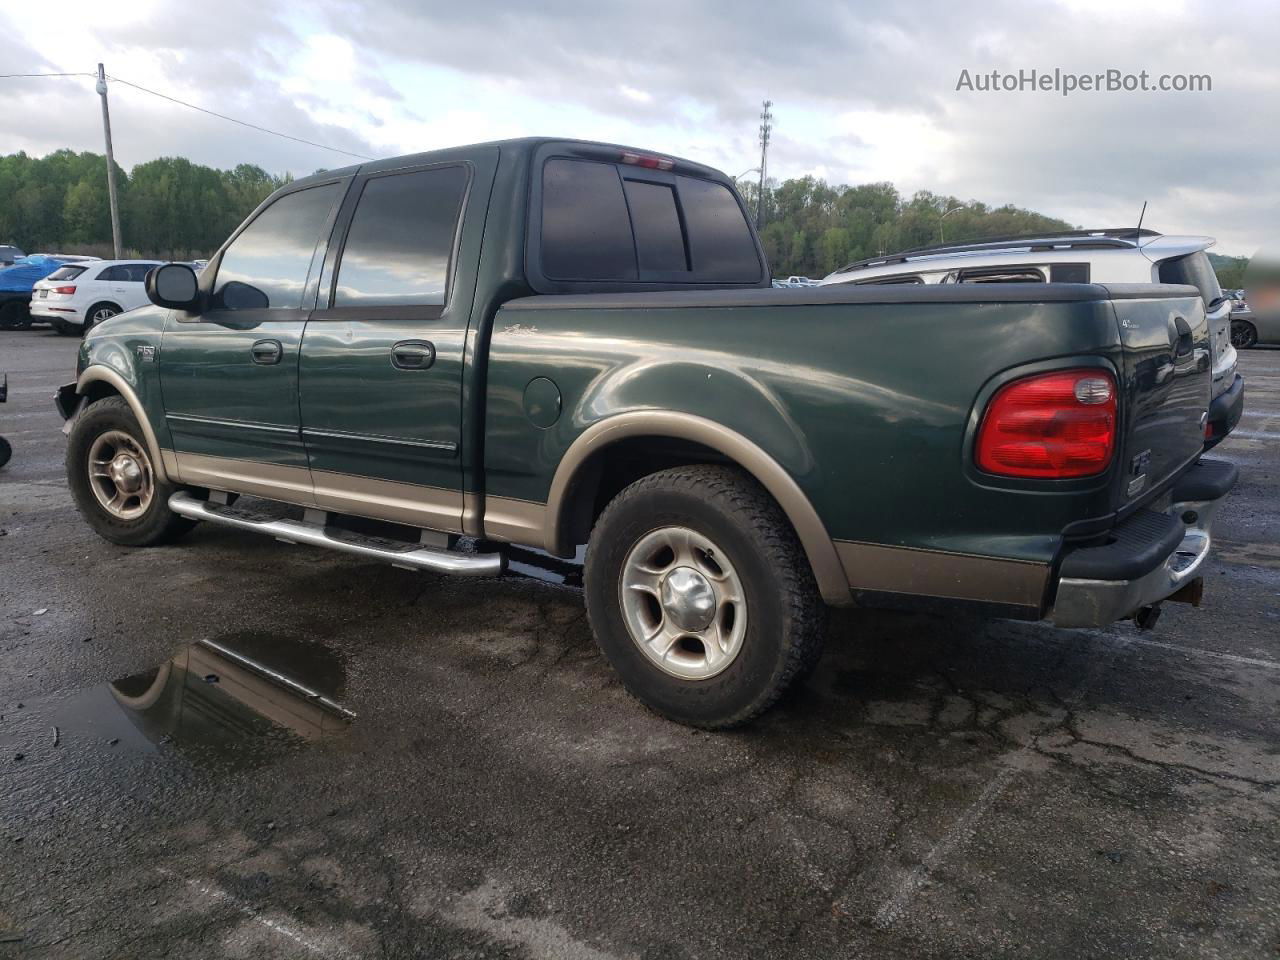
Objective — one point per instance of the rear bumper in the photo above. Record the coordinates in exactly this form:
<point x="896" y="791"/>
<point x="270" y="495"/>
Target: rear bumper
<point x="55" y="311"/>
<point x="1151" y="555"/>
<point x="1224" y="413"/>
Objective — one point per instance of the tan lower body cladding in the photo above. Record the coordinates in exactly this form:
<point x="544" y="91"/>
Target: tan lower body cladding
<point x="407" y="503"/>
<point x="936" y="573"/>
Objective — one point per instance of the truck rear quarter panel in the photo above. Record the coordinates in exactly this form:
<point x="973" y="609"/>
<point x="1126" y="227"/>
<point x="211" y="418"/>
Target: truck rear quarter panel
<point x="869" y="407"/>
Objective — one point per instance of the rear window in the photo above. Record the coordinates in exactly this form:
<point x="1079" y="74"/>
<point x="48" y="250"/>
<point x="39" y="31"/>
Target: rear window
<point x="66" y="273"/>
<point x="615" y="222"/>
<point x="1196" y="270"/>
<point x="909" y="278"/>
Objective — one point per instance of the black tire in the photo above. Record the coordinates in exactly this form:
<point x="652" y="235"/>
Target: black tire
<point x="1243" y="334"/>
<point x="785" y="615"/>
<point x="67" y="329"/>
<point x="6" y="451"/>
<point x="14" y="316"/>
<point x="96" y="314"/>
<point x="158" y="524"/>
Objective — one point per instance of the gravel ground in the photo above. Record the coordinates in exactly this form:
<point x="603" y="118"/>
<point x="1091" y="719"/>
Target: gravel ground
<point x="467" y="779"/>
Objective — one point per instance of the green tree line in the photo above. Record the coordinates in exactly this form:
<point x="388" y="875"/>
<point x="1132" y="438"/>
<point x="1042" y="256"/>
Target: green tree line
<point x="812" y="228"/>
<point x="173" y="208"/>
<point x="169" y="207"/>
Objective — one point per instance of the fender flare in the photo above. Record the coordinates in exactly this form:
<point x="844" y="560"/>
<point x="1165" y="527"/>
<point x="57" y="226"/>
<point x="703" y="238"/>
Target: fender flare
<point x="829" y="573"/>
<point x="99" y="373"/>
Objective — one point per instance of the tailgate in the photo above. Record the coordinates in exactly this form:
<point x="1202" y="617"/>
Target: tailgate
<point x="1168" y="373"/>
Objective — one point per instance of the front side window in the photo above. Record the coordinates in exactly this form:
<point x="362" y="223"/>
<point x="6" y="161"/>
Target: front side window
<point x="401" y="238"/>
<point x="266" y="266"/>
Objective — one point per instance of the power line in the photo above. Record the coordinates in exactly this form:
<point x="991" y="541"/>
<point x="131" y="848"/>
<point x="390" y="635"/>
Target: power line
<point x="243" y="123"/>
<point x="192" y="106"/>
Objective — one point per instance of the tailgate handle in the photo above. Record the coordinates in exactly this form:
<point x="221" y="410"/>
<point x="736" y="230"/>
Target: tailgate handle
<point x="1184" y="342"/>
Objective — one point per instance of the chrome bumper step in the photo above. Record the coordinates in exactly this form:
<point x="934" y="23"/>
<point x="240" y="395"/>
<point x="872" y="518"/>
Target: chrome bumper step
<point x="410" y="556"/>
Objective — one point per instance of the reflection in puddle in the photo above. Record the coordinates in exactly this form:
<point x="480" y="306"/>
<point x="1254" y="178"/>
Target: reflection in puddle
<point x="230" y="700"/>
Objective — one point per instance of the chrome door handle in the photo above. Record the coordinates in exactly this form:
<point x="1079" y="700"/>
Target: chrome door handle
<point x="413" y="355"/>
<point x="267" y="352"/>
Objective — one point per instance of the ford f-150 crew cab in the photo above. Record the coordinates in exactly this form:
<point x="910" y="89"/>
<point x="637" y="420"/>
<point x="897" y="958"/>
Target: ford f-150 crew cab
<point x="435" y="359"/>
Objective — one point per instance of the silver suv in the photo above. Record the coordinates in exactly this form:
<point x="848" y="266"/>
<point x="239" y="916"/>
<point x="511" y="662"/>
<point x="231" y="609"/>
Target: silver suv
<point x="1125" y="255"/>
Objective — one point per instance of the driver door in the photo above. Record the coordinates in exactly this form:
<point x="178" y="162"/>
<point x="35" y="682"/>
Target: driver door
<point x="229" y="375"/>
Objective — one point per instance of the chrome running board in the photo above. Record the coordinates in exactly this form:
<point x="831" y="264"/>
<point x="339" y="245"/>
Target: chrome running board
<point x="410" y="556"/>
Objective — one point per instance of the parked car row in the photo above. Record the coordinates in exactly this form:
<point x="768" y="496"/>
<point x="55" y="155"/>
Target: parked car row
<point x="69" y="292"/>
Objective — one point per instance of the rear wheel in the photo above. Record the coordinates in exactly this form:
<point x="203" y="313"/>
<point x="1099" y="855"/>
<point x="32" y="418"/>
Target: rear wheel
<point x="97" y="313"/>
<point x="113" y="479"/>
<point x="6" y="451"/>
<point x="1243" y="334"/>
<point x="701" y="596"/>
<point x="14" y="316"/>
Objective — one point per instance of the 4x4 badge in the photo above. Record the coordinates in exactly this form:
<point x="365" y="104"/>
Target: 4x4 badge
<point x="146" y="353"/>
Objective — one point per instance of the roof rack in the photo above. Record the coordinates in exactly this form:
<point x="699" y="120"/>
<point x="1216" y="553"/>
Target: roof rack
<point x="1075" y="239"/>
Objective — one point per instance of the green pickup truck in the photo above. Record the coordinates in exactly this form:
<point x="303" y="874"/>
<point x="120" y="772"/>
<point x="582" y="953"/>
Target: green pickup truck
<point x="436" y="359"/>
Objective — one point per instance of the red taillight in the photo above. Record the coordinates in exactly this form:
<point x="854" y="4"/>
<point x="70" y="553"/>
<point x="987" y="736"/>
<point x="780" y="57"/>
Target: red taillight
<point x="66" y="290"/>
<point x="643" y="160"/>
<point x="1052" y="426"/>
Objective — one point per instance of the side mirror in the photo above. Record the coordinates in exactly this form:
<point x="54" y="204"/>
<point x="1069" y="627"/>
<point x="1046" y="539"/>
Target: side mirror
<point x="173" y="285"/>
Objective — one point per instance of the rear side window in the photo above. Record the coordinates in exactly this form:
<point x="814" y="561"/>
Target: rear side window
<point x="135" y="272"/>
<point x="266" y="266"/>
<point x="909" y="278"/>
<point x="620" y="223"/>
<point x="110" y="273"/>
<point x="401" y="238"/>
<point x="65" y="273"/>
<point x="1069" y="273"/>
<point x="1196" y="270"/>
<point x="1001" y="275"/>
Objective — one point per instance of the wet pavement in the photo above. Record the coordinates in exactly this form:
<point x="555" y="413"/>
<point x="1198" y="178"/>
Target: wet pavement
<point x="236" y="748"/>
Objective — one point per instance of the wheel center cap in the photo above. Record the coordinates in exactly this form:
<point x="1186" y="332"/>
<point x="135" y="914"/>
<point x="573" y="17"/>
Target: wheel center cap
<point x="688" y="599"/>
<point x="126" y="474"/>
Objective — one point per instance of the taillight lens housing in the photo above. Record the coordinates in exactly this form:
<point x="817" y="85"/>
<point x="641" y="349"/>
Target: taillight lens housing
<point x="1052" y="426"/>
<point x="66" y="290"/>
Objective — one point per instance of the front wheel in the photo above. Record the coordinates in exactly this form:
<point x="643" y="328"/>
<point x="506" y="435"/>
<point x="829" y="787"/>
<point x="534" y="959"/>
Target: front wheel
<point x="701" y="596"/>
<point x="1243" y="334"/>
<point x="113" y="480"/>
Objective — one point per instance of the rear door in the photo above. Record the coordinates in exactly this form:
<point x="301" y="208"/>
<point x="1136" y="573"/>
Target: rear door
<point x="230" y="374"/>
<point x="381" y="374"/>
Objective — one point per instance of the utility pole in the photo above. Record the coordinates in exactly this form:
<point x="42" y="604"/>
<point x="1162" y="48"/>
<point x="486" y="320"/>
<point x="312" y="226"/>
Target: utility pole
<point x="766" y="127"/>
<point x="111" y="165"/>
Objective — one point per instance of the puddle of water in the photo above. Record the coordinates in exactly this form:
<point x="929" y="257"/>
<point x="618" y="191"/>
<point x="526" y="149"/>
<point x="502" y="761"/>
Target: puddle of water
<point x="234" y="699"/>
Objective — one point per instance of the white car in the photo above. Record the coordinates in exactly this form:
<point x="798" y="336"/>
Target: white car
<point x="1125" y="255"/>
<point x="77" y="297"/>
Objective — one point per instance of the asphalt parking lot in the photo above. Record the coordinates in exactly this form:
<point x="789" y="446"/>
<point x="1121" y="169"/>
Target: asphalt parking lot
<point x="465" y="777"/>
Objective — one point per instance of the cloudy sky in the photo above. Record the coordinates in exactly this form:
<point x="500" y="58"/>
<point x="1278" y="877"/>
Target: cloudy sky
<point x="862" y="91"/>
